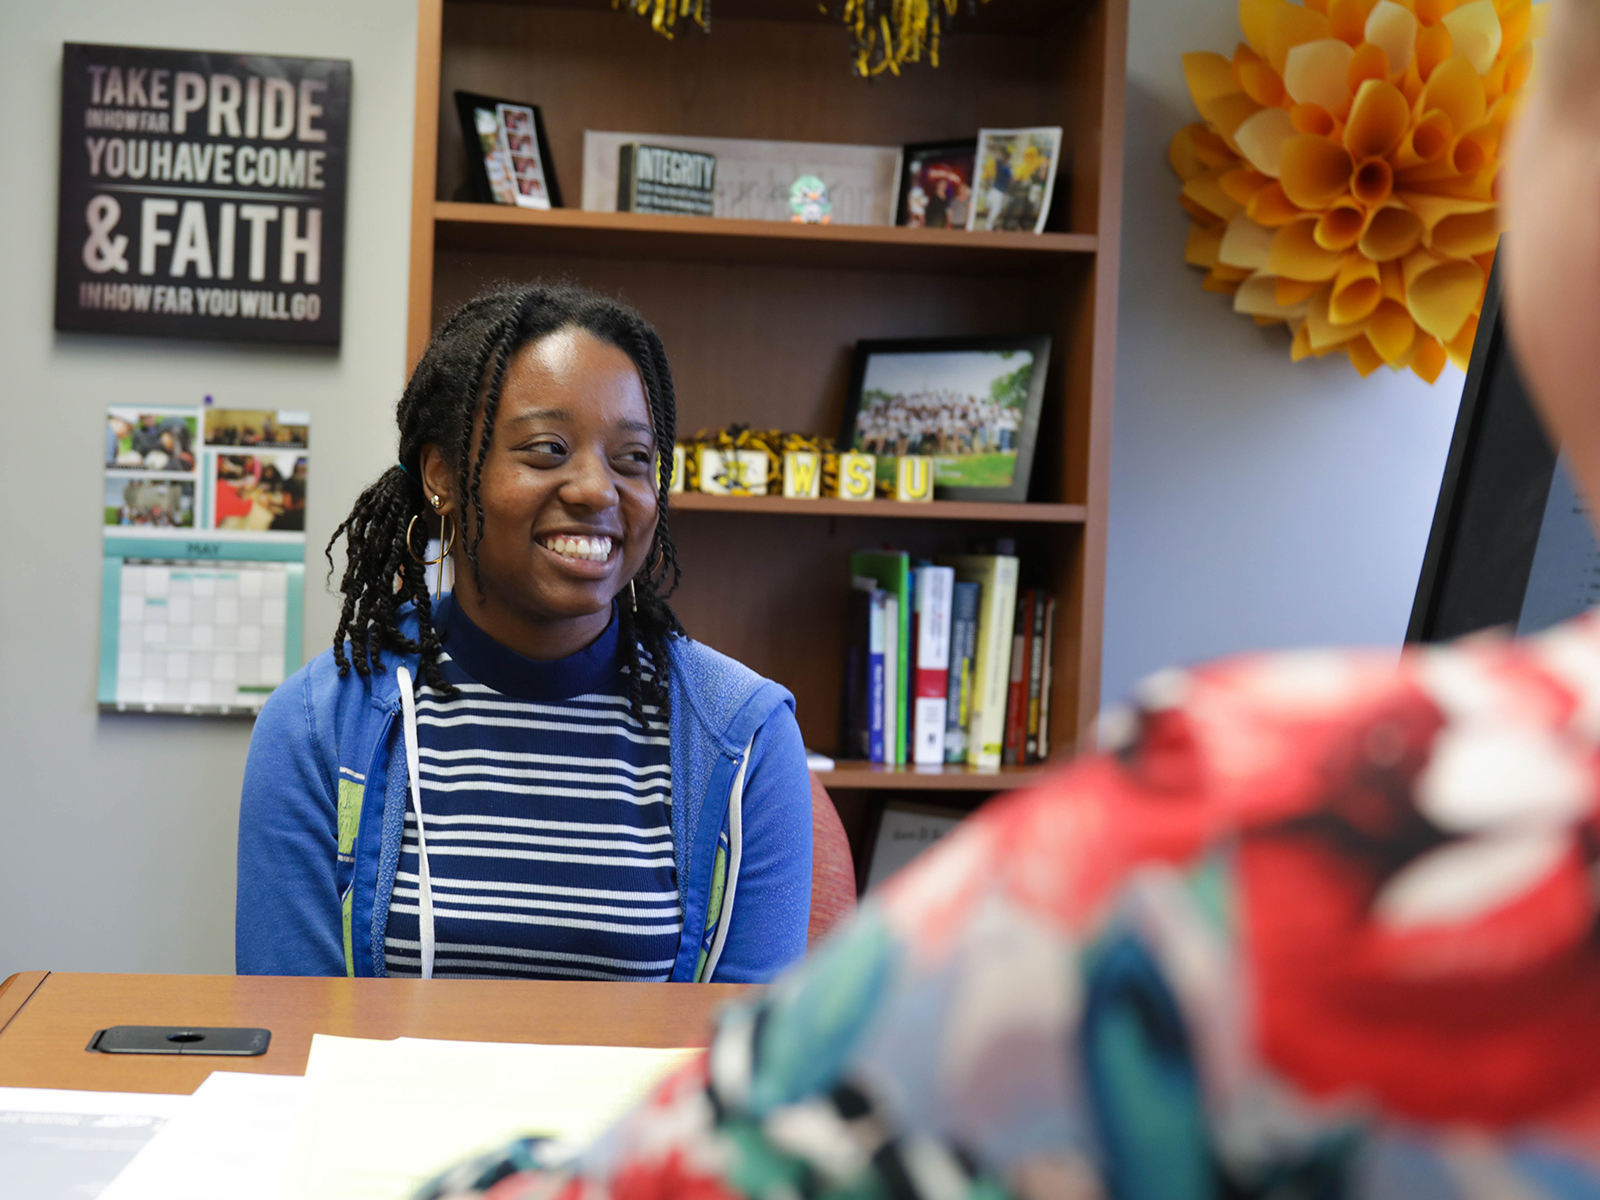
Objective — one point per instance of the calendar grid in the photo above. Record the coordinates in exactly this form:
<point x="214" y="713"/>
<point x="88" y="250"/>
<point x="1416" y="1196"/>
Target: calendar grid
<point x="198" y="637"/>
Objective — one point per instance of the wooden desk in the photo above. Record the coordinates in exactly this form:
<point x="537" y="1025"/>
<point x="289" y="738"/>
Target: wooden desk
<point x="47" y="1018"/>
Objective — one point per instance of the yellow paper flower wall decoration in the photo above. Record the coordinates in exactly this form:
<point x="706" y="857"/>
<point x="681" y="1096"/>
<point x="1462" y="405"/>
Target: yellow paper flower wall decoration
<point x="1342" y="181"/>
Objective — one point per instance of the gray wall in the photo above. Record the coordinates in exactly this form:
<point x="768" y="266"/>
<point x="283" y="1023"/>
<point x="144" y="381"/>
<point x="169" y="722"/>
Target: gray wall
<point x="1254" y="503"/>
<point x="117" y="832"/>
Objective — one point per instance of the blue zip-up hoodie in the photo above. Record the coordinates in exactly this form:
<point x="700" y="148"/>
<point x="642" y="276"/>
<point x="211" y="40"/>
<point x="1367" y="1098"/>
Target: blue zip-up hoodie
<point x="326" y="789"/>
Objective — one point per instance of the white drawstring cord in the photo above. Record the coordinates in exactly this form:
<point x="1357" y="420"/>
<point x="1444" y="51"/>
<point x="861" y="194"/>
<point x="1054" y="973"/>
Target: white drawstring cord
<point x="408" y="707"/>
<point x="735" y="854"/>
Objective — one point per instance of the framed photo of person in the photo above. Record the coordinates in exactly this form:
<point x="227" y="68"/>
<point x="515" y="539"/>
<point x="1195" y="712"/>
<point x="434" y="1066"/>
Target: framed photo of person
<point x="936" y="184"/>
<point x="1016" y="177"/>
<point x="508" y="155"/>
<point x="969" y="403"/>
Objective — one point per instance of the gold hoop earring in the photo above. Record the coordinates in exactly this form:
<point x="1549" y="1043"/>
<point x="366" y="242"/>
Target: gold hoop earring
<point x="447" y="532"/>
<point x="657" y="558"/>
<point x="633" y="599"/>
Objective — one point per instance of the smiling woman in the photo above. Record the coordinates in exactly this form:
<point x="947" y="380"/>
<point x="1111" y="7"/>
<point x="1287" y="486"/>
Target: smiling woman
<point x="548" y="778"/>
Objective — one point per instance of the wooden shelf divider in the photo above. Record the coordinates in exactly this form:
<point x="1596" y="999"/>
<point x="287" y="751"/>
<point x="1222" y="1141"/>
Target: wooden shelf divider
<point x="499" y="228"/>
<point x="869" y="776"/>
<point x="937" y="510"/>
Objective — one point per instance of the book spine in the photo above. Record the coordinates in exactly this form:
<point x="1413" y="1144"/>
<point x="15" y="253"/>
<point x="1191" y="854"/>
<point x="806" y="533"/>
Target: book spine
<point x="988" y="724"/>
<point x="905" y="655"/>
<point x="1011" y="753"/>
<point x="855" y="669"/>
<point x="908" y="714"/>
<point x="1049" y="678"/>
<point x="875" y="678"/>
<point x="893" y="679"/>
<point x="963" y="640"/>
<point x="625" y="178"/>
<point x="853" y="719"/>
<point x="932" y="682"/>
<point x="1035" y="675"/>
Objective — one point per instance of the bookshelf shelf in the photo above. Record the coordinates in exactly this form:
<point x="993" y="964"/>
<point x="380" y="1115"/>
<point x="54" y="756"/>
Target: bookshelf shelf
<point x="493" y="228"/>
<point x="938" y="510"/>
<point x="867" y="776"/>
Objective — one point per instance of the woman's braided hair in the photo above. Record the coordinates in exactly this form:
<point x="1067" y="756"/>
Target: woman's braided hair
<point x="460" y="376"/>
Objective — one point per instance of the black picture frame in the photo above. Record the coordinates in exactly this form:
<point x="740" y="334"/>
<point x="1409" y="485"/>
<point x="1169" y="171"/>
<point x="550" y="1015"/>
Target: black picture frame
<point x="915" y="153"/>
<point x="483" y="192"/>
<point x="1025" y="433"/>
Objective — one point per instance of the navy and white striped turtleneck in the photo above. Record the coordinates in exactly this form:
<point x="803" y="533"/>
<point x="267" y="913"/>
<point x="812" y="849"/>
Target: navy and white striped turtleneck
<point x="548" y="819"/>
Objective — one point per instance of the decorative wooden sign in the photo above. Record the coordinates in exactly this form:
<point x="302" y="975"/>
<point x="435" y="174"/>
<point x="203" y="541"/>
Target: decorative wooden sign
<point x="202" y="194"/>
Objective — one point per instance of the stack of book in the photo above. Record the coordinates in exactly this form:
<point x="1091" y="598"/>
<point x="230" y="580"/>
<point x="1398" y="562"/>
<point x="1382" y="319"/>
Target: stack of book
<point x="946" y="662"/>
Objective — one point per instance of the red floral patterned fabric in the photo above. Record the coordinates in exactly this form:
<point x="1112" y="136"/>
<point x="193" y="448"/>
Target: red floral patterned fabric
<point x="1318" y="925"/>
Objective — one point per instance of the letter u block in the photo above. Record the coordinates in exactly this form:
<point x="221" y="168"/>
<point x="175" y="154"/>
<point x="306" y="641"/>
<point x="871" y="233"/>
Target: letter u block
<point x="857" y="475"/>
<point x="913" y="479"/>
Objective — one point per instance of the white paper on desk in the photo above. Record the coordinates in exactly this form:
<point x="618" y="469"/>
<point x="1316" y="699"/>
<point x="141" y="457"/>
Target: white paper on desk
<point x="382" y="1118"/>
<point x="61" y="1145"/>
<point x="232" y="1140"/>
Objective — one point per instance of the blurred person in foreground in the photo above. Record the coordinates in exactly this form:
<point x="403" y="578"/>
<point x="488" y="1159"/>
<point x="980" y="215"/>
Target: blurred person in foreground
<point x="1318" y="927"/>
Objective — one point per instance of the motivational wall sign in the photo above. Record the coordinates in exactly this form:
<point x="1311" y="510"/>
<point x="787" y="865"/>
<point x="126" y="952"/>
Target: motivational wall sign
<point x="202" y="194"/>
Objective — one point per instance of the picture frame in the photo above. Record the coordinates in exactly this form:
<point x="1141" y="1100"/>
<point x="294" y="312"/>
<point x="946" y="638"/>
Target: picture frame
<point x="508" y="152"/>
<point x="935" y="186"/>
<point x="1015" y="178"/>
<point x="965" y="402"/>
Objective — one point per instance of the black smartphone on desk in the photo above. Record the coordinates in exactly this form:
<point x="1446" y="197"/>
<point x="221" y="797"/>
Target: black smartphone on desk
<point x="180" y="1039"/>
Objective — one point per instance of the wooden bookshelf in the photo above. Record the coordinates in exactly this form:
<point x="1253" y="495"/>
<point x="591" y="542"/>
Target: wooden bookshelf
<point x="760" y="318"/>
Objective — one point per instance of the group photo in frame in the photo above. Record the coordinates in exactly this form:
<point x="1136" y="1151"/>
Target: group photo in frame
<point x="971" y="404"/>
<point x="508" y="152"/>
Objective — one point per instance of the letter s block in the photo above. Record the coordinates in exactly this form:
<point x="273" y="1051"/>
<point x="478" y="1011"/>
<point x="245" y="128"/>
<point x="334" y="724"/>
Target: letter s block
<point x="857" y="475"/>
<point x="913" y="478"/>
<point x="680" y="468"/>
<point x="802" y="474"/>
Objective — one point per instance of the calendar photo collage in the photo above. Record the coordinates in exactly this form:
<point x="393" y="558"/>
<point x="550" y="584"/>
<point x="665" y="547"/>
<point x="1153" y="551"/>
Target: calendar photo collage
<point x="204" y="515"/>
